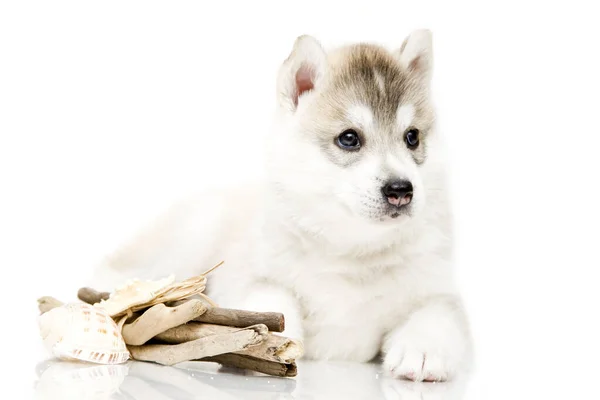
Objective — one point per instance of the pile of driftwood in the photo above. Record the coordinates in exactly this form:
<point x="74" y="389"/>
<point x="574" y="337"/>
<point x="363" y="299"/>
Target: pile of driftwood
<point x="194" y="329"/>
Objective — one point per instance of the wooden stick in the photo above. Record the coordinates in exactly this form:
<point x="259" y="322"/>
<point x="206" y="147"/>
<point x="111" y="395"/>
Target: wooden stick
<point x="274" y="348"/>
<point x="158" y="319"/>
<point x="195" y="330"/>
<point x="254" y="364"/>
<point x="241" y="319"/>
<point x="47" y="303"/>
<point x="169" y="354"/>
<point x="91" y="296"/>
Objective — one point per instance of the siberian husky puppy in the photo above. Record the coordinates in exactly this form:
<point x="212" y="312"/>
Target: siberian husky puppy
<point x="350" y="235"/>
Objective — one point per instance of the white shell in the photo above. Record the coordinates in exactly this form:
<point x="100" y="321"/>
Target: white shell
<point x="133" y="293"/>
<point x="83" y="332"/>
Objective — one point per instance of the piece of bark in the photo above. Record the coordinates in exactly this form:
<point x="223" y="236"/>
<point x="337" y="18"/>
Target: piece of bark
<point x="241" y="319"/>
<point x="255" y="364"/>
<point x="160" y="318"/>
<point x="274" y="348"/>
<point x="170" y="354"/>
<point x="47" y="303"/>
<point x="91" y="296"/>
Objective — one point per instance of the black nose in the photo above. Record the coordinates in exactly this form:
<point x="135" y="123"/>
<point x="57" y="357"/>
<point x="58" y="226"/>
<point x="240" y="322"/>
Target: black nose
<point x="398" y="193"/>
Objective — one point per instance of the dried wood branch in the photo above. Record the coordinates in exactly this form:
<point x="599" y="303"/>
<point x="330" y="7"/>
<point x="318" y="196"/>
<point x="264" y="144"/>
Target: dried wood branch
<point x="91" y="296"/>
<point x="169" y="354"/>
<point x="240" y="318"/>
<point x="196" y="330"/>
<point x="255" y="364"/>
<point x="274" y="348"/>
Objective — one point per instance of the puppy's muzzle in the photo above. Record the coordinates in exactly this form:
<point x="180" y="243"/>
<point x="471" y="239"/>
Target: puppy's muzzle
<point x="398" y="193"/>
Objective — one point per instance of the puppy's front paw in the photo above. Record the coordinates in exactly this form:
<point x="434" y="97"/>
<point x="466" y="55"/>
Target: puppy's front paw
<point x="407" y="360"/>
<point x="429" y="347"/>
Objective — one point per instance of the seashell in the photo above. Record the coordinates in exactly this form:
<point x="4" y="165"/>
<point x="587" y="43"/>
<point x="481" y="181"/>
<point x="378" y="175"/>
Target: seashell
<point x="137" y="295"/>
<point x="133" y="293"/>
<point x="79" y="331"/>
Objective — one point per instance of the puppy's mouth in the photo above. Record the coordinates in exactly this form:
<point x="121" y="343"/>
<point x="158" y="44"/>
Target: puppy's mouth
<point x="395" y="214"/>
<point x="378" y="211"/>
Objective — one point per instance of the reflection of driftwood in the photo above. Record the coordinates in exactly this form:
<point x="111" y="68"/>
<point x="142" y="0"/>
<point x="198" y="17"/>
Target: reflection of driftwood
<point x="274" y="348"/>
<point x="176" y="380"/>
<point x="194" y="375"/>
<point x="241" y="319"/>
<point x="254" y="364"/>
<point x="47" y="303"/>
<point x="169" y="354"/>
<point x="137" y="388"/>
<point x="160" y="318"/>
<point x="91" y="296"/>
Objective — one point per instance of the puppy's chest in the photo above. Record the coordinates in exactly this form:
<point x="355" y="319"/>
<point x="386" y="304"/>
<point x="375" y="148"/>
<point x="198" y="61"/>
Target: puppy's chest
<point x="344" y="296"/>
<point x="345" y="314"/>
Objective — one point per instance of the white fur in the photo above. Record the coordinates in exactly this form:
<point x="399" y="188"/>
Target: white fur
<point x="418" y="46"/>
<point x="308" y="54"/>
<point x="303" y="244"/>
<point x="361" y="116"/>
<point x="405" y="115"/>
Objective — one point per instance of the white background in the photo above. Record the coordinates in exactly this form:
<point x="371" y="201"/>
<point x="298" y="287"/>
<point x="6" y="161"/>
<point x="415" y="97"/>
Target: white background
<point x="109" y="111"/>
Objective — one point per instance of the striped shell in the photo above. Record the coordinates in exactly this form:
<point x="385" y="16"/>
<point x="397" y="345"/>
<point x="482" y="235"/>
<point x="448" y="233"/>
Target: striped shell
<point x="83" y="332"/>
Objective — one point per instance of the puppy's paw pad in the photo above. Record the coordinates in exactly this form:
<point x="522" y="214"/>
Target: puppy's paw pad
<point x="411" y="376"/>
<point x="431" y="378"/>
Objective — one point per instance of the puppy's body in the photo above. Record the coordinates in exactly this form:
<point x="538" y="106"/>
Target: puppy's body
<point x="355" y="272"/>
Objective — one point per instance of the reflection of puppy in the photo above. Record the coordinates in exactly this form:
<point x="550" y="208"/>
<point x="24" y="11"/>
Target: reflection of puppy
<point x="333" y="380"/>
<point x="396" y="389"/>
<point x="350" y="236"/>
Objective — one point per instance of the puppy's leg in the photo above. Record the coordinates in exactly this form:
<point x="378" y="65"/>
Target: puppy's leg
<point x="266" y="297"/>
<point x="432" y="345"/>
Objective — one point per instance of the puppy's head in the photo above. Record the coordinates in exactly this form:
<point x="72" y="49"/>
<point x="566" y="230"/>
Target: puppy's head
<point x="352" y="132"/>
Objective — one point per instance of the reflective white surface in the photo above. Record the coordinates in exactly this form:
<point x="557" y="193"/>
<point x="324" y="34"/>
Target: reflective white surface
<point x="316" y="380"/>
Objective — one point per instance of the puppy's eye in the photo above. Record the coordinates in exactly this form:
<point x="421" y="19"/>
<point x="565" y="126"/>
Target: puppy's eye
<point x="349" y="140"/>
<point x="411" y="137"/>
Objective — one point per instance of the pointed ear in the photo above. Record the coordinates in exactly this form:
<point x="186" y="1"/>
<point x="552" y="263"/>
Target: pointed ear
<point x="416" y="54"/>
<point x="301" y="72"/>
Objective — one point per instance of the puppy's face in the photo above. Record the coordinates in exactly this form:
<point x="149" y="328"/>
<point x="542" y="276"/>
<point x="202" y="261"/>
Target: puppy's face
<point x="353" y="129"/>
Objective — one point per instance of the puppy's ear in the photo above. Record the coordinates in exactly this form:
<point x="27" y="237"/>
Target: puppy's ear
<point x="301" y="72"/>
<point x="416" y="54"/>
